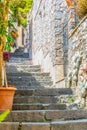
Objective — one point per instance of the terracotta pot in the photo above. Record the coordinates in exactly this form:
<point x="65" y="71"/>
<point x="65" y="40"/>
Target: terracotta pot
<point x="6" y="97"/>
<point x="85" y="67"/>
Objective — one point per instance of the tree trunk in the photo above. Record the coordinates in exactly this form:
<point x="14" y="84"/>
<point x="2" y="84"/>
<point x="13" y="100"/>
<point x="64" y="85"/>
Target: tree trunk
<point x="3" y="77"/>
<point x="1" y="64"/>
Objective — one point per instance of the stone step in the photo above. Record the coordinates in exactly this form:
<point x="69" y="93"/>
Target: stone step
<point x="44" y="99"/>
<point x="45" y="115"/>
<point x="22" y="65"/>
<point x="21" y="69"/>
<point x="30" y="87"/>
<point x="26" y="62"/>
<point x="9" y="126"/>
<point x="20" y="54"/>
<point x="15" y="78"/>
<point x="20" y="74"/>
<point x="29" y="78"/>
<point x="18" y="59"/>
<point x="58" y="125"/>
<point x="31" y="83"/>
<point x="69" y="125"/>
<point x="39" y="106"/>
<point x="44" y="92"/>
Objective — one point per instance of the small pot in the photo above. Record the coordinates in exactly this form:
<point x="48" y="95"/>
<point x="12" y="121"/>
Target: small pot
<point x="6" y="97"/>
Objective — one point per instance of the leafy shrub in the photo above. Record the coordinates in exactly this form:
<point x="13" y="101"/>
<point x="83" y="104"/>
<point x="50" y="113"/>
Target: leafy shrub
<point x="81" y="8"/>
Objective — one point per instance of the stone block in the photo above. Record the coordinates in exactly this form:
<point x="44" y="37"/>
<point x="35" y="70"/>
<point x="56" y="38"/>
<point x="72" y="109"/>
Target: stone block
<point x="35" y="126"/>
<point x="70" y="125"/>
<point x="22" y="116"/>
<point x="53" y="91"/>
<point x="66" y="115"/>
<point x="9" y="126"/>
<point x="39" y="106"/>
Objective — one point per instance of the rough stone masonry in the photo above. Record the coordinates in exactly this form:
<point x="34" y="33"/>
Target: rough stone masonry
<point x="49" y="38"/>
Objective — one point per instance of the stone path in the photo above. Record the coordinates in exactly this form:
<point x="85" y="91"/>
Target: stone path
<point x="38" y="106"/>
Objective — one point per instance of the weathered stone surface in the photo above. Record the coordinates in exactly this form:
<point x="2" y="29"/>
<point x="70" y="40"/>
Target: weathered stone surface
<point x="69" y="125"/>
<point x="37" y="99"/>
<point x="64" y="98"/>
<point x="9" y="126"/>
<point x="53" y="91"/>
<point x="44" y="92"/>
<point x="77" y="59"/>
<point x="66" y="115"/>
<point x="10" y="68"/>
<point x="38" y="106"/>
<point x="50" y="109"/>
<point x="46" y="35"/>
<point x="35" y="126"/>
<point x="19" y="93"/>
<point x="26" y="116"/>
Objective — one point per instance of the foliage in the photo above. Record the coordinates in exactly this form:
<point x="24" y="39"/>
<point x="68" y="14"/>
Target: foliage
<point x="19" y="10"/>
<point x="4" y="115"/>
<point x="71" y="100"/>
<point x="9" y="40"/>
<point x="3" y="19"/>
<point x="18" y="13"/>
<point x="11" y="13"/>
<point x="81" y="8"/>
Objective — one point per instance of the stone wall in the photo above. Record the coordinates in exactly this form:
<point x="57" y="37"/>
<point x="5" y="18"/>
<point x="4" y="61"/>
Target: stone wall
<point x="29" y="34"/>
<point x="49" y="39"/>
<point x="77" y="75"/>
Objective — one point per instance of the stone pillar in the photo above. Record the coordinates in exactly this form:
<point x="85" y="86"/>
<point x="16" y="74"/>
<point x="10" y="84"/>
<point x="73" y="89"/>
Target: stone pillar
<point x="71" y="17"/>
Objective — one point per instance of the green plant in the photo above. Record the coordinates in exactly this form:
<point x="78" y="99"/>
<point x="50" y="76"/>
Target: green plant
<point x="4" y="115"/>
<point x="11" y="12"/>
<point x="71" y="100"/>
<point x="19" y="10"/>
<point x="81" y="8"/>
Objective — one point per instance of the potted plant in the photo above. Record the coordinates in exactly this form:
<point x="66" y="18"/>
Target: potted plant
<point x="6" y="91"/>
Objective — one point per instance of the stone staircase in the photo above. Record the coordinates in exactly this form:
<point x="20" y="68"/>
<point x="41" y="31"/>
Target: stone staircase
<point x="38" y="106"/>
<point x="26" y="76"/>
<point x="20" y="52"/>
